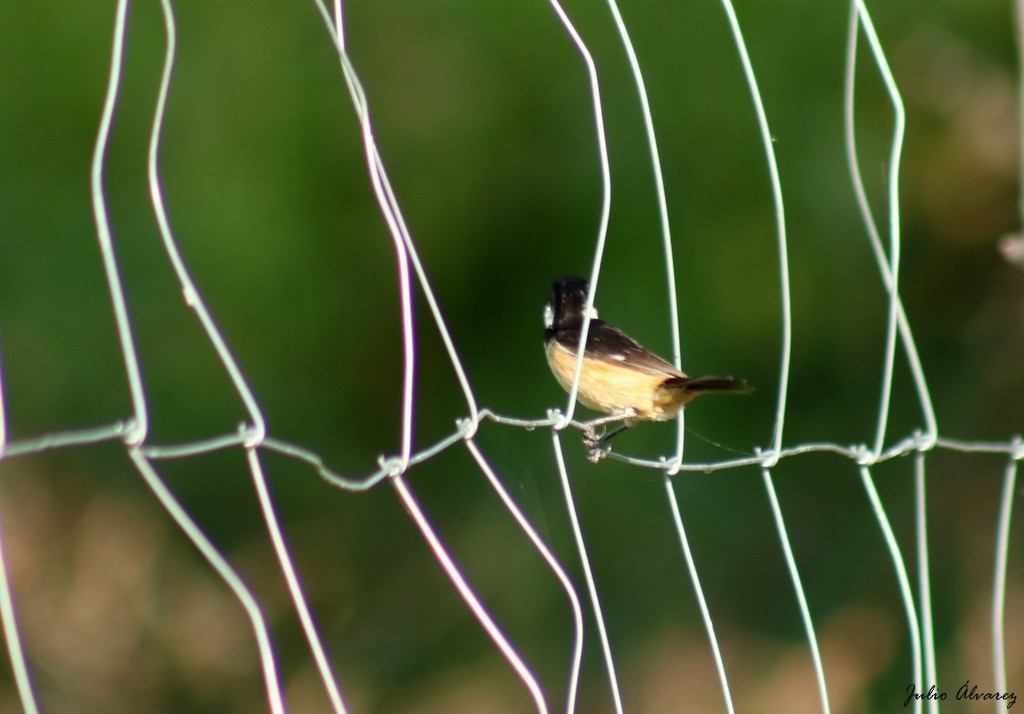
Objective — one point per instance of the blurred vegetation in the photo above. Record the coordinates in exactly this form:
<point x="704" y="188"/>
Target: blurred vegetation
<point x="483" y="117"/>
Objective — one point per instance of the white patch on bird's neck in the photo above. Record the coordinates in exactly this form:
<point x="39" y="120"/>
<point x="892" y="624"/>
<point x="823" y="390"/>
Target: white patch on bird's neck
<point x="549" y="316"/>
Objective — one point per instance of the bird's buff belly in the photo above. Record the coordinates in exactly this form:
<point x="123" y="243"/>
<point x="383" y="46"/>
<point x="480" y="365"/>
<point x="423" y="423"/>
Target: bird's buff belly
<point x="613" y="389"/>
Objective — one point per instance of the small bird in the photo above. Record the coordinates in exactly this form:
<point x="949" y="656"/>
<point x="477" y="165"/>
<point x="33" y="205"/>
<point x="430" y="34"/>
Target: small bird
<point x="620" y="377"/>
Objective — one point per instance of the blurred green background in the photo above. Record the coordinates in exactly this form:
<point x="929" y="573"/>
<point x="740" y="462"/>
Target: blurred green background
<point x="483" y="117"/>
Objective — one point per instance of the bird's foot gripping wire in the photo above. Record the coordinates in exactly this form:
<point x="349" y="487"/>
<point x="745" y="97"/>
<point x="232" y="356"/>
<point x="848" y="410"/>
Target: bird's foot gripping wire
<point x="593" y="440"/>
<point x="596" y="437"/>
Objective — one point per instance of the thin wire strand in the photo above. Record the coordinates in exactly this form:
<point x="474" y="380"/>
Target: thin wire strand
<point x="553" y="565"/>
<point x="999" y="579"/>
<point x="12" y="638"/>
<point x="428" y="293"/>
<point x="606" y="203"/>
<point x="588" y="573"/>
<point x="67" y="439"/>
<point x="138" y="426"/>
<point x="900" y="568"/>
<point x="702" y="603"/>
<point x="140" y="423"/>
<point x="801" y="597"/>
<point x="780" y="226"/>
<point x="659" y="179"/>
<point x="339" y="23"/>
<point x="189" y="290"/>
<point x="924" y="581"/>
<point x="238" y="588"/>
<point x="677" y="521"/>
<point x="193" y="299"/>
<point x="897" y="324"/>
<point x="389" y="204"/>
<point x="375" y="170"/>
<point x="3" y="410"/>
<point x="864" y="206"/>
<point x="284" y="559"/>
<point x="895" y="153"/>
<point x="453" y="573"/>
<point x="1012" y="447"/>
<point x="466" y="428"/>
<point x="663" y="220"/>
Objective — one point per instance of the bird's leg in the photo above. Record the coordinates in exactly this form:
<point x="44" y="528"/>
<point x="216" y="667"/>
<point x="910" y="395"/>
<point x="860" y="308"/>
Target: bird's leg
<point x="627" y="424"/>
<point x="591" y="435"/>
<point x="595" y="442"/>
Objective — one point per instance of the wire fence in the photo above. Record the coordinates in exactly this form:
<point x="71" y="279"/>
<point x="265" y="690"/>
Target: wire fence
<point x="256" y="440"/>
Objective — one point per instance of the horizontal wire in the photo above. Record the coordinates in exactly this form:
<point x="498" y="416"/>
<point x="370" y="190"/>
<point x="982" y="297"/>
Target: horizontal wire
<point x="466" y="429"/>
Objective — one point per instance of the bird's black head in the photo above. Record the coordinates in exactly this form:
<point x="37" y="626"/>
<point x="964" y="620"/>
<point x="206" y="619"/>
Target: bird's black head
<point x="567" y="305"/>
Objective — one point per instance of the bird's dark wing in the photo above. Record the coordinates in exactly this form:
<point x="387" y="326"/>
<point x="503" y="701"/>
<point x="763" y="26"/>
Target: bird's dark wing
<point x="610" y="344"/>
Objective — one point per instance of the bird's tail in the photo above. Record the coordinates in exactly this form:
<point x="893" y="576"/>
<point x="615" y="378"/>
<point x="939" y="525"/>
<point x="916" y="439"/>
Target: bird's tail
<point x="699" y="385"/>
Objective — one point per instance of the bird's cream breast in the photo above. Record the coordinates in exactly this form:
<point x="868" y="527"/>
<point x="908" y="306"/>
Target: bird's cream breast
<point x="614" y="388"/>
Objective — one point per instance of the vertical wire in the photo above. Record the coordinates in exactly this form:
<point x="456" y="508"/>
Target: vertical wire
<point x="12" y="639"/>
<point x="999" y="579"/>
<point x="903" y="580"/>
<point x="553" y="565"/>
<point x="588" y="573"/>
<point x="3" y="408"/>
<point x="137" y="431"/>
<point x="188" y="286"/>
<point x="666" y="230"/>
<point x="606" y="202"/>
<point x="702" y="604"/>
<point x="895" y="153"/>
<point x="466" y="592"/>
<point x="864" y="207"/>
<point x="339" y="23"/>
<point x="924" y="582"/>
<point x="390" y="209"/>
<point x="284" y="559"/>
<point x="780" y="224"/>
<point x="375" y="170"/>
<point x="223" y="569"/>
<point x="801" y="597"/>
